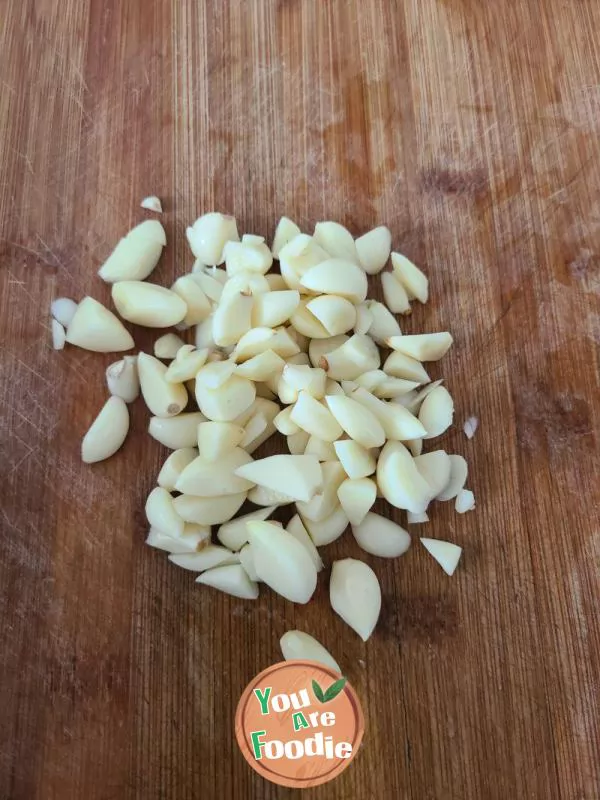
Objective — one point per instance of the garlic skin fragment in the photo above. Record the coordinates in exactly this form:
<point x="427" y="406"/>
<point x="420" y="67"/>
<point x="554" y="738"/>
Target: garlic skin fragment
<point x="445" y="553"/>
<point x="59" y="335"/>
<point x="95" y="328"/>
<point x="394" y="294"/>
<point x="336" y="240"/>
<point x="299" y="477"/>
<point x="459" y="471"/>
<point x="465" y="501"/>
<point x="152" y="203"/>
<point x="381" y="537"/>
<point x="207" y="558"/>
<point x="297" y="645"/>
<point x="470" y="427"/>
<point x="437" y="412"/>
<point x="355" y="595"/>
<point x="423" y="346"/>
<point x="208" y="236"/>
<point x="167" y="346"/>
<point x="357" y="498"/>
<point x="410" y="276"/>
<point x="208" y="510"/>
<point x="161" y="513"/>
<point x="373" y="249"/>
<point x="164" y="399"/>
<point x="234" y="534"/>
<point x="176" y="432"/>
<point x="174" y="466"/>
<point x="282" y="562"/>
<point x="148" y="304"/>
<point x="231" y="579"/>
<point x="136" y="254"/>
<point x="285" y="231"/>
<point x="63" y="310"/>
<point x="107" y="432"/>
<point x="338" y="277"/>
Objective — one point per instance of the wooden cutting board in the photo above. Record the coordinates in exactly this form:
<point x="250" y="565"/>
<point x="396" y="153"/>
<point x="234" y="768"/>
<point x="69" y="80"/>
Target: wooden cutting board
<point x="472" y="130"/>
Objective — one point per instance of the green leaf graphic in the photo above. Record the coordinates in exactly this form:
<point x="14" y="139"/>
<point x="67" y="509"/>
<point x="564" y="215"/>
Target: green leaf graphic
<point x="334" y="689"/>
<point x="318" y="692"/>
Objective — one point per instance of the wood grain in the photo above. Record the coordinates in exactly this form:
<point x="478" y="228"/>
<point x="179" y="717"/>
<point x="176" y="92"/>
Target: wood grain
<point x="472" y="130"/>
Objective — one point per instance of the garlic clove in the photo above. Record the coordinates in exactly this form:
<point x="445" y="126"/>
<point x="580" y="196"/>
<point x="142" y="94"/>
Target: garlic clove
<point x="397" y="422"/>
<point x="355" y="356"/>
<point x="423" y="346"/>
<point x="297" y="442"/>
<point x="445" y="553"/>
<point x="209" y="234"/>
<point x="210" y="285"/>
<point x="415" y="519"/>
<point x="234" y="534"/>
<point x="122" y="379"/>
<point x="339" y="277"/>
<point x="174" y="465"/>
<point x="274" y="308"/>
<point x="373" y="249"/>
<point x="336" y="240"/>
<point x="107" y="432"/>
<point x="247" y="256"/>
<point x="357" y="498"/>
<point x="297" y="645"/>
<point x="63" y="310"/>
<point x="399" y="365"/>
<point x="465" y="501"/>
<point x="59" y="335"/>
<point x="410" y="276"/>
<point x="305" y="323"/>
<point x="284" y="424"/>
<point x="227" y="401"/>
<point x="261" y="367"/>
<point x="247" y="562"/>
<point x="394" y="294"/>
<point x="381" y="536"/>
<point x="148" y="304"/>
<point x="328" y="530"/>
<point x="300" y="477"/>
<point x="231" y="579"/>
<point x="199" y="306"/>
<point x="167" y="346"/>
<point x="136" y="254"/>
<point x="262" y="496"/>
<point x="152" y="203"/>
<point x="357" y="421"/>
<point x="208" y="510"/>
<point x="95" y="328"/>
<point x="285" y="231"/>
<point x="296" y="528"/>
<point x="232" y="319"/>
<point x="162" y="514"/>
<point x="336" y="314"/>
<point x="458" y="477"/>
<point x="437" y="412"/>
<point x="194" y="538"/>
<point x="216" y="439"/>
<point x="324" y="503"/>
<point x="187" y="364"/>
<point x="282" y="562"/>
<point x="324" y="451"/>
<point x="176" y="432"/>
<point x="207" y="558"/>
<point x="355" y="595"/>
<point x="164" y="399"/>
<point x="384" y="324"/>
<point x="399" y="480"/>
<point x="356" y="460"/>
<point x="314" y="418"/>
<point x="204" y="478"/>
<point x="364" y="319"/>
<point x="318" y="348"/>
<point x="435" y="467"/>
<point x="297" y="256"/>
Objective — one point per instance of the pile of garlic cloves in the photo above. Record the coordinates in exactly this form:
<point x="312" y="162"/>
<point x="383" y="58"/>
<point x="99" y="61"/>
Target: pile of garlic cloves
<point x="300" y="350"/>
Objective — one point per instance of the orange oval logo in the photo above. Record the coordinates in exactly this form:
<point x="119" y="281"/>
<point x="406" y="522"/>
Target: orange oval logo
<point x="299" y="724"/>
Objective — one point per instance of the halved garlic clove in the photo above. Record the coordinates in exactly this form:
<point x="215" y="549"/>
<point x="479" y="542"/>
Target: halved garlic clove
<point x="176" y="432"/>
<point x="445" y="553"/>
<point x="437" y="412"/>
<point x="465" y="501"/>
<point x="107" y="432"/>
<point x="232" y="319"/>
<point x="204" y="478"/>
<point x="167" y="346"/>
<point x="208" y="510"/>
<point x="284" y="424"/>
<point x="399" y="480"/>
<point x="381" y="537"/>
<point x="339" y="277"/>
<point x="122" y="379"/>
<point x="296" y="528"/>
<point x="297" y="256"/>
<point x="188" y="362"/>
<point x="357" y="498"/>
<point x="194" y="538"/>
<point x="324" y="503"/>
<point x="458" y="477"/>
<point x="297" y="442"/>
<point x="314" y="418"/>
<point x="398" y="365"/>
<point x="328" y="530"/>
<point x="216" y="439"/>
<point x="318" y="348"/>
<point x="94" y="327"/>
<point x="214" y="374"/>
<point x="373" y="249"/>
<point x="209" y="234"/>
<point x="410" y="276"/>
<point x="384" y="324"/>
<point x="152" y="203"/>
<point x="356" y="460"/>
<point x="394" y="294"/>
<point x="435" y="467"/>
<point x="234" y="534"/>
<point x="357" y="355"/>
<point x="336" y="240"/>
<point x="299" y="477"/>
<point x="228" y="401"/>
<point x="136" y="255"/>
<point x="355" y="595"/>
<point x="257" y="340"/>
<point x="148" y="304"/>
<point x="336" y="314"/>
<point x="59" y="335"/>
<point x="161" y="513"/>
<point x="305" y="322"/>
<point x="207" y="558"/>
<point x="423" y="346"/>
<point x="285" y="231"/>
<point x="231" y="579"/>
<point x="199" y="307"/>
<point x="324" y="451"/>
<point x="297" y="645"/>
<point x="63" y="310"/>
<point x="357" y="421"/>
<point x="397" y="422"/>
<point x="282" y="562"/>
<point x="164" y="399"/>
<point x="174" y="466"/>
<point x="303" y="377"/>
<point x="274" y="308"/>
<point x="262" y="367"/>
<point x="247" y="256"/>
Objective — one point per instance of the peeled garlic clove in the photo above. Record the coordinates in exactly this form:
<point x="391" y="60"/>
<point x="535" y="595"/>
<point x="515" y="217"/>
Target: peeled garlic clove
<point x="384" y="323"/>
<point x="122" y="379"/>
<point x="302" y="377"/>
<point x="296" y="645"/>
<point x="257" y="340"/>
<point x="338" y="277"/>
<point x="204" y="478"/>
<point x="95" y="328"/>
<point x="58" y="335"/>
<point x="324" y="451"/>
<point x="231" y="579"/>
<point x="276" y="282"/>
<point x="370" y="380"/>
<point x="254" y="431"/>
<point x="247" y="562"/>
<point x="336" y="314"/>
<point x="204" y="334"/>
<point x="232" y="319"/>
<point x="284" y="424"/>
<point x="411" y="277"/>
<point x="347" y="362"/>
<point x="167" y="346"/>
<point x="148" y="304"/>
<point x="414" y="400"/>
<point x="415" y="446"/>
<point x="207" y="558"/>
<point x="228" y="401"/>
<point x="260" y="405"/>
<point x="285" y="231"/>
<point x="234" y="534"/>
<point x="381" y="537"/>
<point x="63" y="310"/>
<point x="107" y="432"/>
<point x="136" y="255"/>
<point x="311" y="416"/>
<point x="398" y="365"/>
<point x="247" y="256"/>
<point x="297" y="442"/>
<point x="390" y="388"/>
<point x="274" y="308"/>
<point x="208" y="510"/>
<point x="357" y="498"/>
<point x="324" y="503"/>
<point x="194" y="538"/>
<point x="198" y="305"/>
<point x="465" y="501"/>
<point x="261" y="496"/>
<point x="209" y="234"/>
<point x="458" y="477"/>
<point x="329" y="529"/>
<point x="445" y="553"/>
<point x="188" y="362"/>
<point x="299" y="477"/>
<point x="261" y="367"/>
<point x="282" y="562"/>
<point x="176" y="432"/>
<point x="435" y="467"/>
<point x="397" y="422"/>
<point x="152" y="203"/>
<point x="355" y="459"/>
<point x="306" y="323"/>
<point x="210" y="285"/>
<point x="423" y="346"/>
<point x="161" y="513"/>
<point x="355" y="595"/>
<point x="318" y="348"/>
<point x="373" y="249"/>
<point x="296" y="528"/>
<point x="174" y="466"/>
<point x="437" y="412"/>
<point x="164" y="399"/>
<point x="364" y="319"/>
<point x="216" y="439"/>
<point x="394" y="294"/>
<point x="336" y="240"/>
<point x="357" y="421"/>
<point x="298" y="256"/>
<point x="399" y="480"/>
<point x="214" y="374"/>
